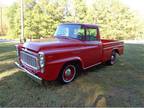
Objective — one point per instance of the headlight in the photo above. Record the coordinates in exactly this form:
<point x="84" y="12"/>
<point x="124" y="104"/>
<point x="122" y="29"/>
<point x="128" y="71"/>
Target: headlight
<point x="41" y="59"/>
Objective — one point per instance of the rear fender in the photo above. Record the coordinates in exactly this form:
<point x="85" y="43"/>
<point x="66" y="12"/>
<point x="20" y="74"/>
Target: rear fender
<point x="119" y="51"/>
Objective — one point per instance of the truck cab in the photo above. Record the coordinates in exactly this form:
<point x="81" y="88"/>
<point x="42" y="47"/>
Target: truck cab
<point x="89" y="37"/>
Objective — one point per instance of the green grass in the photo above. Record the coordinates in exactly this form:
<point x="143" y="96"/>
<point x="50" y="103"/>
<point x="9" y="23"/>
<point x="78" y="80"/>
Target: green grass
<point x="119" y="85"/>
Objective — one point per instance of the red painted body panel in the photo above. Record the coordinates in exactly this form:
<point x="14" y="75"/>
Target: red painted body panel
<point x="60" y="51"/>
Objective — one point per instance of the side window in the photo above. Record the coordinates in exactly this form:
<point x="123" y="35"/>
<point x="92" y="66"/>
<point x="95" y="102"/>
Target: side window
<point x="91" y="34"/>
<point x="80" y="33"/>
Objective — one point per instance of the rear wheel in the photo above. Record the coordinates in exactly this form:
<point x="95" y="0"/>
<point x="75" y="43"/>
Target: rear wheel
<point x="113" y="58"/>
<point x="68" y="73"/>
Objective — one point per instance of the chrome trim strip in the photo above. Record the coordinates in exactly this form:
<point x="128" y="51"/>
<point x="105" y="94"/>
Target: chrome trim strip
<point x="113" y="42"/>
<point x="34" y="77"/>
<point x="93" y="65"/>
<point x="113" y="47"/>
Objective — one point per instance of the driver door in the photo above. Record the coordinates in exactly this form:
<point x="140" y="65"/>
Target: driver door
<point x="93" y="50"/>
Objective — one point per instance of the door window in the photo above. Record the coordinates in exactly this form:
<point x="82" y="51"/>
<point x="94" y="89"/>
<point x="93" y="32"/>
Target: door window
<point x="91" y="34"/>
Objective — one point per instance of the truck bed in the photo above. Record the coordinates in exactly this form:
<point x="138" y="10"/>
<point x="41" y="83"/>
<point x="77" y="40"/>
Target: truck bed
<point x="109" y="45"/>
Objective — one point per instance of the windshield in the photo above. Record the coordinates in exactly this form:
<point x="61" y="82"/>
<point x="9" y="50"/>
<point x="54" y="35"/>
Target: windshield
<point x="69" y="31"/>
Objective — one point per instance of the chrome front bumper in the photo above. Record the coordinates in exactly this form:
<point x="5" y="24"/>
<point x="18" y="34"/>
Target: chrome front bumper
<point x="33" y="76"/>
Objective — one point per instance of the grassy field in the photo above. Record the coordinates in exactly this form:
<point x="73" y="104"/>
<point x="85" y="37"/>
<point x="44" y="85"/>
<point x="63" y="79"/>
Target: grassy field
<point x="118" y="85"/>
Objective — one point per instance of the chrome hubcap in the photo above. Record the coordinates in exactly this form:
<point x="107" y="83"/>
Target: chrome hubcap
<point x="68" y="72"/>
<point x="112" y="59"/>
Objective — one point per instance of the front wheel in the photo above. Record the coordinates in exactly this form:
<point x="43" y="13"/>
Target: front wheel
<point x="112" y="59"/>
<point x="68" y="73"/>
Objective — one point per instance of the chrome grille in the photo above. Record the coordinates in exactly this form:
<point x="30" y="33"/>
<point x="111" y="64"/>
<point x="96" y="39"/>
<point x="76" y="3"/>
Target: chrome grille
<point x="29" y="60"/>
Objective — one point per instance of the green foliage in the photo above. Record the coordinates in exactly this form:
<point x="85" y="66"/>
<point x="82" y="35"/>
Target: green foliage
<point x="14" y="20"/>
<point x="42" y="16"/>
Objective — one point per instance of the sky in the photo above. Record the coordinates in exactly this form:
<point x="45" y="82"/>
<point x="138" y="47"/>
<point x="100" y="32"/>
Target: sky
<point x="6" y="2"/>
<point x="137" y="5"/>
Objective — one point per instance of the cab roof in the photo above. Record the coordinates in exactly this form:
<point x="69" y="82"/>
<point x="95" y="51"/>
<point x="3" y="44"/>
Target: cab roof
<point x="83" y="25"/>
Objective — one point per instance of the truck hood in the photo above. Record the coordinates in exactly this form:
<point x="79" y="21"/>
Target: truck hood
<point x="51" y="44"/>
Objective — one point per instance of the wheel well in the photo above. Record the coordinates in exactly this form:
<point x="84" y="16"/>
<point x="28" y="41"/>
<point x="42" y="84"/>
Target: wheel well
<point x="116" y="50"/>
<point x="75" y="62"/>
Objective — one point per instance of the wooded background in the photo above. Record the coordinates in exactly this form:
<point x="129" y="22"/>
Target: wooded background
<point x="41" y="18"/>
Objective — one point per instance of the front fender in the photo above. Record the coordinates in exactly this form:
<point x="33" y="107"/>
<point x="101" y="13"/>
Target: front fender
<point x="54" y="67"/>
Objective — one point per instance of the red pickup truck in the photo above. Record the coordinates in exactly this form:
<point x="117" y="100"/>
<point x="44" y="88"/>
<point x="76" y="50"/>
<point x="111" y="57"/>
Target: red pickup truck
<point x="75" y="47"/>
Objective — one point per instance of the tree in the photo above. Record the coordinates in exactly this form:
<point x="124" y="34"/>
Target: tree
<point x="42" y="17"/>
<point x="13" y="20"/>
<point x="115" y="19"/>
